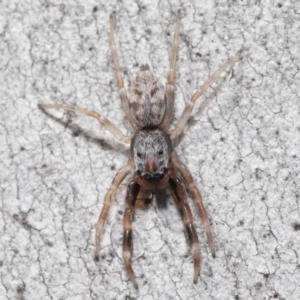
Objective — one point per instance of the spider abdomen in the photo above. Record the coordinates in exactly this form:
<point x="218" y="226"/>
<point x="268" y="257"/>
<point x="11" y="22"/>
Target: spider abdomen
<point x="147" y="99"/>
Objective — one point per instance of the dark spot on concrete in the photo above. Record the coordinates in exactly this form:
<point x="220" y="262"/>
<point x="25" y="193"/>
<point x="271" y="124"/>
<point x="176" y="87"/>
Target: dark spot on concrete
<point x="296" y="227"/>
<point x="76" y="133"/>
<point x="62" y="7"/>
<point x="112" y="168"/>
<point x="21" y="220"/>
<point x="258" y="285"/>
<point x="48" y="243"/>
<point x="21" y="289"/>
<point x="257" y="174"/>
<point x="95" y="9"/>
<point x="22" y="149"/>
<point x="279" y="5"/>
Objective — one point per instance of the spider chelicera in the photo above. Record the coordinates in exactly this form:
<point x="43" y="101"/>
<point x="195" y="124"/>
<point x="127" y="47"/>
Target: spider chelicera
<point x="156" y="165"/>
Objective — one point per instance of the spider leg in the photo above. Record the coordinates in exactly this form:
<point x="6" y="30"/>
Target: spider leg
<point x="103" y="215"/>
<point x="174" y="133"/>
<point x="120" y="81"/>
<point x="180" y="196"/>
<point x="194" y="191"/>
<point x="171" y="77"/>
<point x="102" y="120"/>
<point x="132" y="193"/>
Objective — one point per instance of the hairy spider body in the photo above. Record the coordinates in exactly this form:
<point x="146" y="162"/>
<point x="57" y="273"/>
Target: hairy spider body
<point x="147" y="99"/>
<point x="155" y="162"/>
<point x="151" y="151"/>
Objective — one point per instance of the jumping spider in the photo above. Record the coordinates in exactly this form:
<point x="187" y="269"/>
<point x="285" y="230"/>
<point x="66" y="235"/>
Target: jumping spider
<point x="156" y="165"/>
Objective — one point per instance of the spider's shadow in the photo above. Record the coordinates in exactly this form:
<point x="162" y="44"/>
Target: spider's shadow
<point x="88" y="136"/>
<point x="160" y="197"/>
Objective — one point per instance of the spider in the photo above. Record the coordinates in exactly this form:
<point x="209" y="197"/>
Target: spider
<point x="156" y="165"/>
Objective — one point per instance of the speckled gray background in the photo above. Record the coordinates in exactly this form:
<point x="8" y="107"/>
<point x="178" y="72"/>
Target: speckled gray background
<point x="242" y="147"/>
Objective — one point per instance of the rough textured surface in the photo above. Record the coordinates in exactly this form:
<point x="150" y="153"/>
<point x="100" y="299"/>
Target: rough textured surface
<point x="242" y="147"/>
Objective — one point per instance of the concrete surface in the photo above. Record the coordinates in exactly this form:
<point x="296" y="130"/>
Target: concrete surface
<point x="242" y="147"/>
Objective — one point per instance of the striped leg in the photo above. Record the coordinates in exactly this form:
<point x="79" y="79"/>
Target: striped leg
<point x="174" y="133"/>
<point x="120" y="81"/>
<point x="102" y="120"/>
<point x="171" y="77"/>
<point x="194" y="191"/>
<point x="181" y="199"/>
<point x="103" y="215"/>
<point x="132" y="193"/>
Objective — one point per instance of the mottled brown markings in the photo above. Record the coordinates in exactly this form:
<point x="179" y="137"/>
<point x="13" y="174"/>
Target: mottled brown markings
<point x="153" y="91"/>
<point x="137" y="92"/>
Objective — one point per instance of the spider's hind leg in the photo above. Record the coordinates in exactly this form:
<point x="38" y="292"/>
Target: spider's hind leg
<point x="120" y="80"/>
<point x="174" y="133"/>
<point x="171" y="77"/>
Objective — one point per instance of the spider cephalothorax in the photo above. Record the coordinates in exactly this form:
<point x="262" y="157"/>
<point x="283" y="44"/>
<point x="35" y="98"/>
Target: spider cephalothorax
<point x="151" y="152"/>
<point x="156" y="164"/>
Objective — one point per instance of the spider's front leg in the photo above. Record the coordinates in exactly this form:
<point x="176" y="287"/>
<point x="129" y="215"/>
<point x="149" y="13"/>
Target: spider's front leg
<point x="131" y="196"/>
<point x="194" y="191"/>
<point x="179" y="194"/>
<point x="103" y="215"/>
